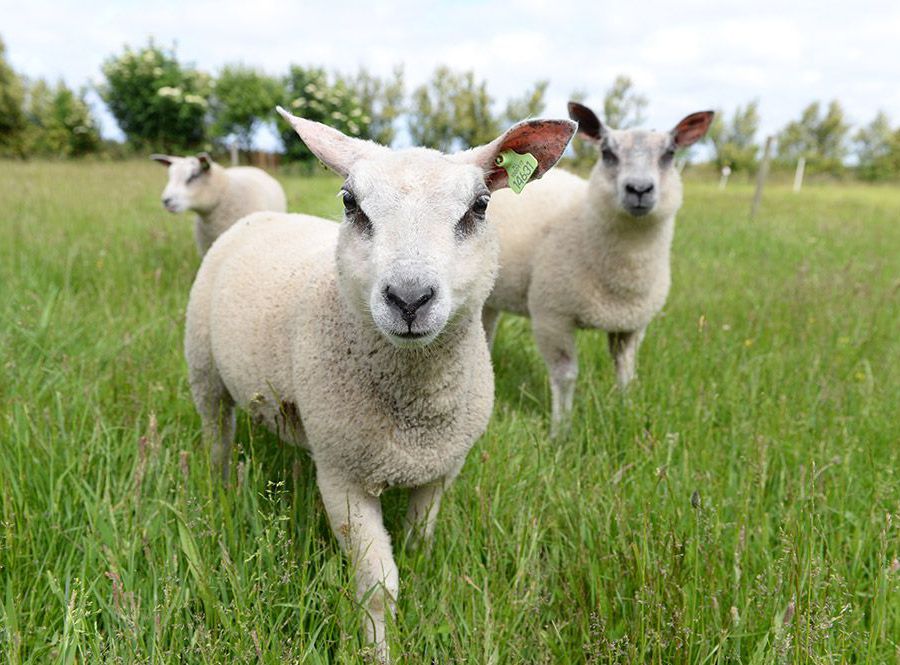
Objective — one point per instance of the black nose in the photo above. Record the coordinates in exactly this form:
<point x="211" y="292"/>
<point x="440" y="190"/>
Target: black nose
<point x="408" y="300"/>
<point x="639" y="187"/>
<point x="167" y="202"/>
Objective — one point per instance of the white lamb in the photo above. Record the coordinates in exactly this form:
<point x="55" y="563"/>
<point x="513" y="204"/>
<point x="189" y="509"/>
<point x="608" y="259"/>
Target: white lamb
<point x="219" y="196"/>
<point x="363" y="341"/>
<point x="592" y="254"/>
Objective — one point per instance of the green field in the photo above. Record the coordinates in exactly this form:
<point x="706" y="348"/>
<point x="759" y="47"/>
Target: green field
<point x="741" y="504"/>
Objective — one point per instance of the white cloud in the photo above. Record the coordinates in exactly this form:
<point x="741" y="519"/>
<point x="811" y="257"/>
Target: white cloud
<point x="683" y="56"/>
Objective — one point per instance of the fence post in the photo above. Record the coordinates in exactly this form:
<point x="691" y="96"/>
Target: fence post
<point x="798" y="176"/>
<point x="761" y="177"/>
<point x="726" y="171"/>
<point x="234" y="153"/>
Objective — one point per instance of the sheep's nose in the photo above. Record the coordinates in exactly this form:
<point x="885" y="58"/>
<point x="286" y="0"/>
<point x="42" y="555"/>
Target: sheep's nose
<point x="408" y="300"/>
<point x="639" y="187"/>
<point x="167" y="201"/>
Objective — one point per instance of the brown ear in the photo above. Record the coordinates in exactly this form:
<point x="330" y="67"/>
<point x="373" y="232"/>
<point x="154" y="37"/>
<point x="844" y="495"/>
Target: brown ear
<point x="205" y="160"/>
<point x="546" y="140"/>
<point x="692" y="128"/>
<point x="162" y="159"/>
<point x="589" y="124"/>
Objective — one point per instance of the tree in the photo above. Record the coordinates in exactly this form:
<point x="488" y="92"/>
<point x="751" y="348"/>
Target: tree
<point x="12" y="115"/>
<point x="735" y="141"/>
<point x="878" y="149"/>
<point x="381" y="100"/>
<point x="158" y="103"/>
<point x="820" y="139"/>
<point x="452" y="111"/>
<point x="60" y="122"/>
<point x="622" y="106"/>
<point x="309" y="93"/>
<point x="242" y="101"/>
<point x="529" y="105"/>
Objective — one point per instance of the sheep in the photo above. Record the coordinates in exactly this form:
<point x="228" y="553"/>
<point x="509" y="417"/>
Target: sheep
<point x="592" y="254"/>
<point x="219" y="196"/>
<point x="362" y="341"/>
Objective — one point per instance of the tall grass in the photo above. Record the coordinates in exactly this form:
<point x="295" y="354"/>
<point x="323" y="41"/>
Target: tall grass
<point x="740" y="504"/>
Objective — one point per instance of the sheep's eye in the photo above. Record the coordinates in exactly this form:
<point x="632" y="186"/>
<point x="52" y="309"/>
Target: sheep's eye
<point x="667" y="157"/>
<point x="473" y="218"/>
<point x="609" y="157"/>
<point x="350" y="204"/>
<point x="193" y="177"/>
<point x="354" y="213"/>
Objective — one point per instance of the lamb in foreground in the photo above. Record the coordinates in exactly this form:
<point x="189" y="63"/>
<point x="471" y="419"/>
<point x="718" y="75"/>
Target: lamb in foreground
<point x="219" y="196"/>
<point x="363" y="341"/>
<point x="592" y="254"/>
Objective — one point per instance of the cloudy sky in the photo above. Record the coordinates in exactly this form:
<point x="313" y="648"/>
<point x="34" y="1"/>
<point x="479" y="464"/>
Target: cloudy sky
<point x="684" y="56"/>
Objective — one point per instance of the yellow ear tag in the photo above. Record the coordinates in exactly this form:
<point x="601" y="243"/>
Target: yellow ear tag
<point x="519" y="168"/>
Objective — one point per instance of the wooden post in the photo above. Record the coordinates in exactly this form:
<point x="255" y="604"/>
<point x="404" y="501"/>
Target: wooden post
<point x="761" y="177"/>
<point x="234" y="153"/>
<point x="726" y="171"/>
<point x="798" y="176"/>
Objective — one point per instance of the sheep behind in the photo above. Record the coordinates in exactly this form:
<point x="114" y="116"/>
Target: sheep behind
<point x="592" y="254"/>
<point x="218" y="195"/>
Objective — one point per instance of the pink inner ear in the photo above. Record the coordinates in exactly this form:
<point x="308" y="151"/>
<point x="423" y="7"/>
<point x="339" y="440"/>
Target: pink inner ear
<point x="692" y="129"/>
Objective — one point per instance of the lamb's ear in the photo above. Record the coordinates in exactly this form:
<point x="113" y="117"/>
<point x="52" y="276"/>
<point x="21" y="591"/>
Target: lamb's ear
<point x="692" y="128"/>
<point x="589" y="124"/>
<point x="205" y="160"/>
<point x="336" y="150"/>
<point x="545" y="140"/>
<point x="162" y="159"/>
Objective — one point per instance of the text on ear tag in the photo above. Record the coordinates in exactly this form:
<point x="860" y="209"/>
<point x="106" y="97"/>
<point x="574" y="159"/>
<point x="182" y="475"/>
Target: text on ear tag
<point x="519" y="168"/>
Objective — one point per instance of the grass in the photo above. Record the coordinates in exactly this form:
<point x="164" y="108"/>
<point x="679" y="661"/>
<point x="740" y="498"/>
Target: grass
<point x="740" y="505"/>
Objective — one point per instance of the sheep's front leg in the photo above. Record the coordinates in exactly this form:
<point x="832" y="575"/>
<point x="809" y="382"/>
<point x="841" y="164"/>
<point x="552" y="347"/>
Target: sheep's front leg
<point x="424" y="504"/>
<point x="489" y="318"/>
<point x="356" y="520"/>
<point x="623" y="346"/>
<point x="555" y="339"/>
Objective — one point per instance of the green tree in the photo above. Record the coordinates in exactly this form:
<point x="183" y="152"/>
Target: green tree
<point x="735" y="141"/>
<point x="877" y="148"/>
<point x="820" y="139"/>
<point x="310" y="94"/>
<point x="622" y="106"/>
<point x="60" y="122"/>
<point x="157" y="102"/>
<point x="243" y="100"/>
<point x="529" y="105"/>
<point x="381" y="100"/>
<point x="452" y="111"/>
<point x="12" y="115"/>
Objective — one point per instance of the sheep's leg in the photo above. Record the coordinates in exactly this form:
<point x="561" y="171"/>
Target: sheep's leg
<point x="556" y="342"/>
<point x="623" y="346"/>
<point x="424" y="504"/>
<point x="216" y="409"/>
<point x="356" y="520"/>
<point x="489" y="319"/>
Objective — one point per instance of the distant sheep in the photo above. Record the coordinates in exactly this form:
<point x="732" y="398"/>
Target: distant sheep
<point x="363" y="341"/>
<point x="592" y="254"/>
<point x="219" y="196"/>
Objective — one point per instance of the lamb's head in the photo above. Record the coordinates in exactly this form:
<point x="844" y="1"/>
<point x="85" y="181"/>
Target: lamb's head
<point x="190" y="185"/>
<point x="415" y="256"/>
<point x="636" y="171"/>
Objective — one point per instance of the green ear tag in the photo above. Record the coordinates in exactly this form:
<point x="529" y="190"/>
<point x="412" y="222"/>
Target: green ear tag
<point x="519" y="168"/>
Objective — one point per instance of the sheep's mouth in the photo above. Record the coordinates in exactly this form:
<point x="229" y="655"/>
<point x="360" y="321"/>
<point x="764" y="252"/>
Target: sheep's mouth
<point x="639" y="210"/>
<point x="410" y="339"/>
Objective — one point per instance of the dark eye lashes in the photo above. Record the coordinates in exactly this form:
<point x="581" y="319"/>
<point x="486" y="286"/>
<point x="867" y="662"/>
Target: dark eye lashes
<point x="470" y="222"/>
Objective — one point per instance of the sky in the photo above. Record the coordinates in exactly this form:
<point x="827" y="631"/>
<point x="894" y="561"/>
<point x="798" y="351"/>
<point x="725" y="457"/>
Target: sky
<point x="683" y="56"/>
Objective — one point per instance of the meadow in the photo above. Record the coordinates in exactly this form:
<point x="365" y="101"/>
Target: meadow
<point x="740" y="504"/>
